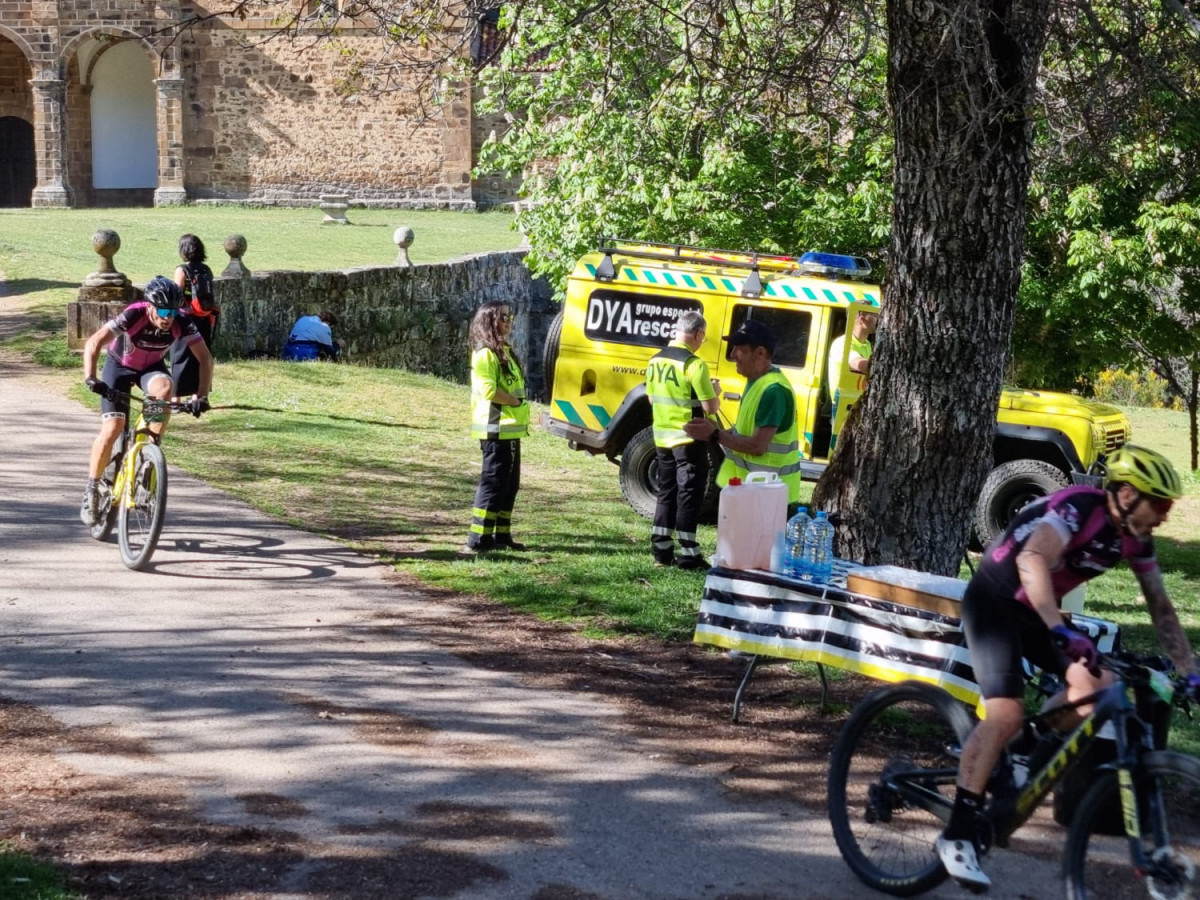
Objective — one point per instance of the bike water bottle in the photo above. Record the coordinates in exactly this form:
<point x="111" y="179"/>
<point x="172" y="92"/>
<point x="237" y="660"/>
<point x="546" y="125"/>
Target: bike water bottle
<point x="796" y="527"/>
<point x="818" y="550"/>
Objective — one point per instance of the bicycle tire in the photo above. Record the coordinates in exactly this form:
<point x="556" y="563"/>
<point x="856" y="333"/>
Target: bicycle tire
<point x="108" y="509"/>
<point x="141" y="513"/>
<point x="886" y="842"/>
<point x="1097" y="865"/>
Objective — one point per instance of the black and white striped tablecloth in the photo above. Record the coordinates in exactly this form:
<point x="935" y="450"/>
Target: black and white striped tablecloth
<point x="771" y="615"/>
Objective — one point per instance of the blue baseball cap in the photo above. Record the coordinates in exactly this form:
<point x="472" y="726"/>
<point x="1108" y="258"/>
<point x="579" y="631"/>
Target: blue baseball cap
<point x="754" y="333"/>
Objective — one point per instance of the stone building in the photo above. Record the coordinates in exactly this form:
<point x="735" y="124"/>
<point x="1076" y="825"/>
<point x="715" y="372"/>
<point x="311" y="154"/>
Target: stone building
<point x="104" y="103"/>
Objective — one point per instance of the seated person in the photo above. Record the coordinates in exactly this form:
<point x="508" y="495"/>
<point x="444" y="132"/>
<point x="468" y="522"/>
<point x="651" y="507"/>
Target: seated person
<point x="312" y="338"/>
<point x="860" y="348"/>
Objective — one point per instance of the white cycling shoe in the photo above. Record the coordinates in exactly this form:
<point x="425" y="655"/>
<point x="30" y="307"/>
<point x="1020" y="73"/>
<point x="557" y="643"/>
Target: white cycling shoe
<point x="962" y="864"/>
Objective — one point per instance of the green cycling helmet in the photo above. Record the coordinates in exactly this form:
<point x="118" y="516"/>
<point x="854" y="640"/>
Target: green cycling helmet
<point x="1147" y="470"/>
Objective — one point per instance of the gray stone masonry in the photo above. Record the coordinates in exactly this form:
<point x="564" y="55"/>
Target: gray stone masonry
<point x="411" y="318"/>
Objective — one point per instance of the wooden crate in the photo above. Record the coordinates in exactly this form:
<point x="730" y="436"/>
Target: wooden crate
<point x="908" y="587"/>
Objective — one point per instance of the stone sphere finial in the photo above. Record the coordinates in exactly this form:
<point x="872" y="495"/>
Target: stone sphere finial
<point x="106" y="243"/>
<point x="403" y="238"/>
<point x="235" y="246"/>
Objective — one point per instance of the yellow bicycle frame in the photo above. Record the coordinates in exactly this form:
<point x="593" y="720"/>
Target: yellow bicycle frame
<point x="153" y="411"/>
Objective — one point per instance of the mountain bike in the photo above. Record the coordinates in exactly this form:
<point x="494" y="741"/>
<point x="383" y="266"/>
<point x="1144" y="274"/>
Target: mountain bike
<point x="1135" y="833"/>
<point x="133" y="487"/>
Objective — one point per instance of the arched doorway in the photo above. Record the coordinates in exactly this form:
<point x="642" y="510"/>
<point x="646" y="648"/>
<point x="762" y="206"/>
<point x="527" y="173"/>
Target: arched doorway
<point x="18" y="162"/>
<point x="124" y="126"/>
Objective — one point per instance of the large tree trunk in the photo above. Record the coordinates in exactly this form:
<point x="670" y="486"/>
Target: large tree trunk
<point x="909" y="468"/>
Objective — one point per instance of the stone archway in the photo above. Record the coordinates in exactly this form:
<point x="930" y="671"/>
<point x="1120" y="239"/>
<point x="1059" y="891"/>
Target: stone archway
<point x="18" y="162"/>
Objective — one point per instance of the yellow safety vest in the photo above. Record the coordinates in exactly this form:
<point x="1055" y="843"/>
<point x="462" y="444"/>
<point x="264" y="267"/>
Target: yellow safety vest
<point x="488" y="418"/>
<point x="782" y="455"/>
<point x="673" y="399"/>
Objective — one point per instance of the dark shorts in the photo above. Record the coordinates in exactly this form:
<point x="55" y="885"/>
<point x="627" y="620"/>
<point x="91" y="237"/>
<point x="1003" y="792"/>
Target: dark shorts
<point x="1000" y="633"/>
<point x="122" y="378"/>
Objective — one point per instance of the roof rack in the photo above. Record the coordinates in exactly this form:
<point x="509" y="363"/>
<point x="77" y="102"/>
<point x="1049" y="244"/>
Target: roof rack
<point x="830" y="264"/>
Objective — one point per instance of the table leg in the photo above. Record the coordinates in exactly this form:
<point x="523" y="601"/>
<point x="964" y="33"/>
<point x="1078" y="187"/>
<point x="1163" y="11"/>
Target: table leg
<point x="824" y="686"/>
<point x="737" y="698"/>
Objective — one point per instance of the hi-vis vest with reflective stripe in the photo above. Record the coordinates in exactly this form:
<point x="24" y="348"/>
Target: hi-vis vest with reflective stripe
<point x="783" y="453"/>
<point x="673" y="400"/>
<point x="488" y="419"/>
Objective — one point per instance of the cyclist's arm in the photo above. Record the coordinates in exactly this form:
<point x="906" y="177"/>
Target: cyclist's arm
<point x="91" y="350"/>
<point x="1037" y="558"/>
<point x="1171" y="636"/>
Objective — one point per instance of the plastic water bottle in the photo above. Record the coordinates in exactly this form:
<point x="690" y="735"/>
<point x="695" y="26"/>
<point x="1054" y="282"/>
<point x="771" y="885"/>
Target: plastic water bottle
<point x="794" y="533"/>
<point x="818" y="550"/>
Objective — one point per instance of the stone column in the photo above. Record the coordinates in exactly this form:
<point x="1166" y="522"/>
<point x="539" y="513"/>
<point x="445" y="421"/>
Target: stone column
<point x="50" y="142"/>
<point x="170" y="191"/>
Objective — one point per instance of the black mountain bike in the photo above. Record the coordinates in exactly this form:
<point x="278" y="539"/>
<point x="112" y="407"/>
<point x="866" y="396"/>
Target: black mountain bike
<point x="1135" y="833"/>
<point x="133" y="487"/>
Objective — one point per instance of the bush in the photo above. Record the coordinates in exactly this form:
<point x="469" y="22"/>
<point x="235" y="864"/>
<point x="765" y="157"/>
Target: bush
<point x="1124" y="388"/>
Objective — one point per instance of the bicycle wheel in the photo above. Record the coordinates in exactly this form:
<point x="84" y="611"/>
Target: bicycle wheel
<point x="891" y="785"/>
<point x="107" y="517"/>
<point x="1096" y="863"/>
<point x="141" y="512"/>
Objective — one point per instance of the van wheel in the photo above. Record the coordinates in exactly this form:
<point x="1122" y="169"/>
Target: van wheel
<point x="639" y="469"/>
<point x="550" y="355"/>
<point x="1008" y="488"/>
<point x="639" y="477"/>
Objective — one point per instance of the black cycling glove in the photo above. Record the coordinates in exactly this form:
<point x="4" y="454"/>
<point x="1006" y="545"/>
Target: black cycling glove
<point x="198" y="405"/>
<point x="96" y="386"/>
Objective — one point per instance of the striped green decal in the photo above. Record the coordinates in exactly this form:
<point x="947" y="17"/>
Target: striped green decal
<point x="591" y="269"/>
<point x="708" y="282"/>
<point x="808" y="292"/>
<point x="668" y="279"/>
<point x="871" y="298"/>
<point x="787" y="289"/>
<point x="829" y="295"/>
<point x="689" y="280"/>
<point x="568" y="411"/>
<point x="629" y="273"/>
<point x="649" y="276"/>
<point x="601" y="415"/>
<point x="729" y="285"/>
<point x="850" y="298"/>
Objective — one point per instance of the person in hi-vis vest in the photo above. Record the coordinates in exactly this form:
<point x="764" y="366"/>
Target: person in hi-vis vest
<point x="859" y="360"/>
<point x="680" y="389"/>
<point x="499" y="419"/>
<point x="766" y="435"/>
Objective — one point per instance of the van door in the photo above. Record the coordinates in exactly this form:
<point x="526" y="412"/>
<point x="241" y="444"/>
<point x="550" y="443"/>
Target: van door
<point x="794" y="355"/>
<point x="848" y="386"/>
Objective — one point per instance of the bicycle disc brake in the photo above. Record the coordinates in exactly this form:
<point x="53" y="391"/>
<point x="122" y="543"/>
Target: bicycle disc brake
<point x="882" y="800"/>
<point x="1173" y="875"/>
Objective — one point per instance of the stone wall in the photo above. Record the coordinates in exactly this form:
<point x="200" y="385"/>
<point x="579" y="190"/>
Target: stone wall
<point x="413" y="318"/>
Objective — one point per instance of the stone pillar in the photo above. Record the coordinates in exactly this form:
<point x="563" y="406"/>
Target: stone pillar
<point x="403" y="238"/>
<point x="170" y="191"/>
<point x="50" y="141"/>
<point x="235" y="246"/>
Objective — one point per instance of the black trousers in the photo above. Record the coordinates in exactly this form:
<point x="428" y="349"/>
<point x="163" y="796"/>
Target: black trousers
<point x="491" y="519"/>
<point x="185" y="368"/>
<point x="682" y="481"/>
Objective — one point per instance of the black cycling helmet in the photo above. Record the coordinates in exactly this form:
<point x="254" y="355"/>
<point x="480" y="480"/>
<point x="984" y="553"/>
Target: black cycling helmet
<point x="1148" y="471"/>
<point x="164" y="295"/>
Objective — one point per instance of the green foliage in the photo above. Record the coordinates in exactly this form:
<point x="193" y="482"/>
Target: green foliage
<point x="24" y="878"/>
<point x="687" y="124"/>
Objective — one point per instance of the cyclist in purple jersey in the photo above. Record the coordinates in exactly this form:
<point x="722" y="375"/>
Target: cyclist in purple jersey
<point x="1011" y="612"/>
<point x="141" y="335"/>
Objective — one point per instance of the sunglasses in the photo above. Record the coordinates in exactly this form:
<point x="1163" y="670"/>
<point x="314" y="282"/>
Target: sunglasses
<point x="1160" y="505"/>
<point x="167" y="313"/>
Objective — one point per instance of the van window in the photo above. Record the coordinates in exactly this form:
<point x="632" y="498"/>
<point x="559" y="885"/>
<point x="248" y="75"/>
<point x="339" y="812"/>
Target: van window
<point x="792" y="328"/>
<point x="643" y="320"/>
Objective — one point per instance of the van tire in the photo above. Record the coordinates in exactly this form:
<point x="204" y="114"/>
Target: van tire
<point x="639" y="466"/>
<point x="550" y="354"/>
<point x="1008" y="488"/>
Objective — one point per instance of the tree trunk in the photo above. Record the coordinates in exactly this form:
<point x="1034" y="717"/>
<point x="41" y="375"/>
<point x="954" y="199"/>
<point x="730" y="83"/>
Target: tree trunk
<point x="909" y="468"/>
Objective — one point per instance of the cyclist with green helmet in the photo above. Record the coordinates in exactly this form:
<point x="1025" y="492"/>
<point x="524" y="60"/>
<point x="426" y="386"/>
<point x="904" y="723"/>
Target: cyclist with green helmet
<point x="1011" y="612"/>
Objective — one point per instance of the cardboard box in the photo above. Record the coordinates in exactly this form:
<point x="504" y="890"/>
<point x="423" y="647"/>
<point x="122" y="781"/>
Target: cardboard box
<point x="908" y="587"/>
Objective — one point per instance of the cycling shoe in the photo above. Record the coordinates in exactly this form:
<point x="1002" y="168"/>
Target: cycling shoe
<point x="962" y="863"/>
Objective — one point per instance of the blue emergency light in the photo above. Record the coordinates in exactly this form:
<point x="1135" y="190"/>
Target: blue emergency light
<point x="835" y="265"/>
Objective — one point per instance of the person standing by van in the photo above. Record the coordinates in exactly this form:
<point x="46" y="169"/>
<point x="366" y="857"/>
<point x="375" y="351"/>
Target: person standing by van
<point x="499" y="419"/>
<point x="766" y="435"/>
<point x="680" y="389"/>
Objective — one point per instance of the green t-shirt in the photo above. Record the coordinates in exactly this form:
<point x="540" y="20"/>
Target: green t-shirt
<point x="776" y="407"/>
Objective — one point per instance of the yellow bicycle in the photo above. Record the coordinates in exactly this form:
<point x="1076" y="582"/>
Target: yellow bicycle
<point x="133" y="488"/>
